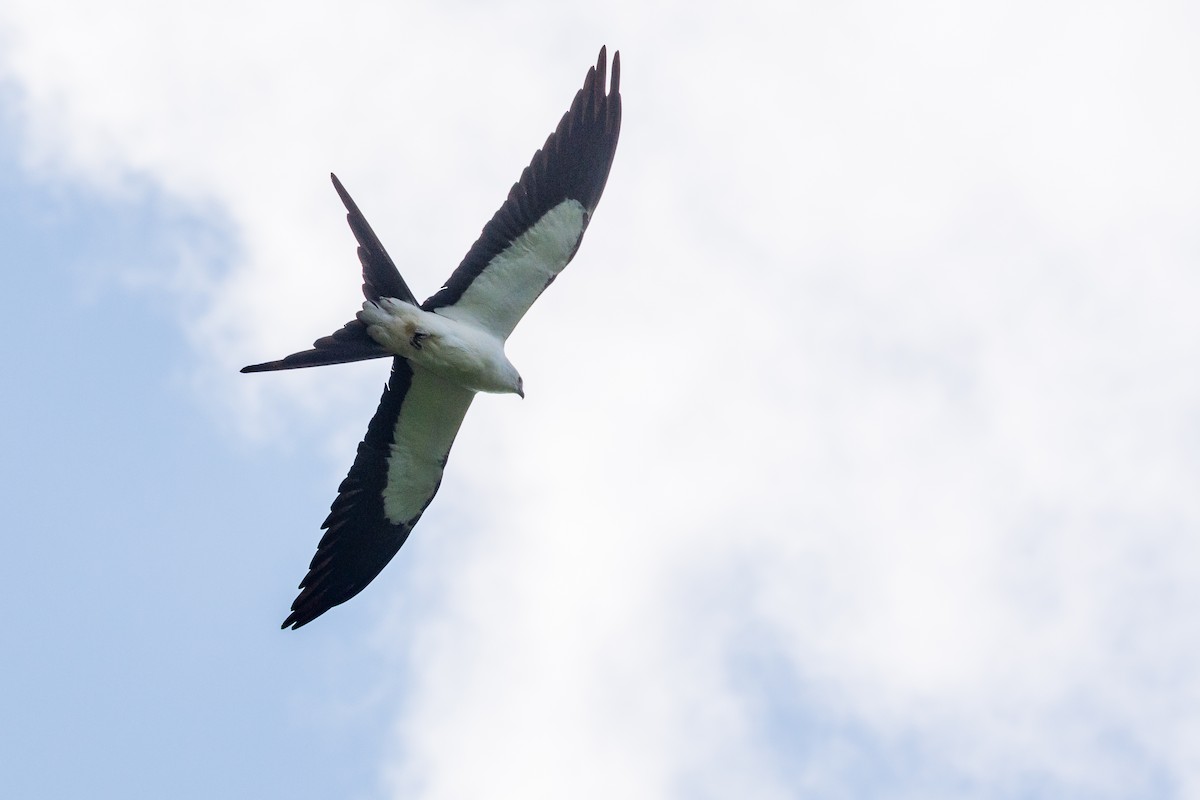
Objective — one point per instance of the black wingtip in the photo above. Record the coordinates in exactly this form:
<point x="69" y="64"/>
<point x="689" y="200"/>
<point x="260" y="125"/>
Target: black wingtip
<point x="293" y="623"/>
<point x="302" y="614"/>
<point x="602" y="66"/>
<point x="305" y="609"/>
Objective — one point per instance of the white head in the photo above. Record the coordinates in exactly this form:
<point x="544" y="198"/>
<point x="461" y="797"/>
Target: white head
<point x="510" y="380"/>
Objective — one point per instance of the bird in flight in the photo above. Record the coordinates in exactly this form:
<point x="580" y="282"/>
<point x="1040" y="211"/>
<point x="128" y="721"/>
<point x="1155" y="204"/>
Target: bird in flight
<point x="451" y="346"/>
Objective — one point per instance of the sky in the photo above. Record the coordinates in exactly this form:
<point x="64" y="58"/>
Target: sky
<point x="860" y="444"/>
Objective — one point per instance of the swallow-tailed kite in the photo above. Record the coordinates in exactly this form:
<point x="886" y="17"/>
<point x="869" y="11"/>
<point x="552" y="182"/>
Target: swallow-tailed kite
<point x="451" y="346"/>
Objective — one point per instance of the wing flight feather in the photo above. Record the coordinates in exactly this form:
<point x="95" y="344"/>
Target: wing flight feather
<point x="402" y="455"/>
<point x="572" y="165"/>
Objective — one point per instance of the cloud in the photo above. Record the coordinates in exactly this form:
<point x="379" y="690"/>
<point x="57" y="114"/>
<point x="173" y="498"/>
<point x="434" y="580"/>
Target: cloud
<point x="861" y="441"/>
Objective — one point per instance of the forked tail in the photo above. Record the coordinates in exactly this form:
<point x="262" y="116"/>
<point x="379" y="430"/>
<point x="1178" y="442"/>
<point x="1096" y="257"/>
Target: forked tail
<point x="380" y="279"/>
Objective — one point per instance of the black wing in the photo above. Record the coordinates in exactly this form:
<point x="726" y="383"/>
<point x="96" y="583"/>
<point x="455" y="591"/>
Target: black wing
<point x="573" y="164"/>
<point x="395" y="475"/>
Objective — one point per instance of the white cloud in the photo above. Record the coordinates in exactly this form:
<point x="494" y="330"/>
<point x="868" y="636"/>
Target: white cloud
<point x="877" y="366"/>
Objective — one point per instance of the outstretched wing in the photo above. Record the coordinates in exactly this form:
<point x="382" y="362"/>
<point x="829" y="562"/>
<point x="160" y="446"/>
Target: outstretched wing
<point x="380" y="279"/>
<point x="537" y="231"/>
<point x="394" y="477"/>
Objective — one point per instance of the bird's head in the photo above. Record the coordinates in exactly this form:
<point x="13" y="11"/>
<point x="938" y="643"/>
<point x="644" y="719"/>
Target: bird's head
<point x="508" y="380"/>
